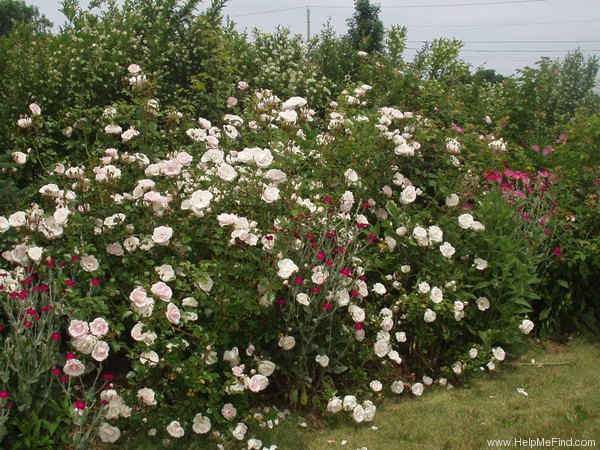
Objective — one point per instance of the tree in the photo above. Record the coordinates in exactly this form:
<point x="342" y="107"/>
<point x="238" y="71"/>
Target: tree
<point x="365" y="28"/>
<point x="16" y="11"/>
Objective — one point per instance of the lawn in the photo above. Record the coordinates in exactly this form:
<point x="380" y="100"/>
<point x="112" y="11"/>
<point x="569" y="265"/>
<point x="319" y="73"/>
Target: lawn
<point x="563" y="401"/>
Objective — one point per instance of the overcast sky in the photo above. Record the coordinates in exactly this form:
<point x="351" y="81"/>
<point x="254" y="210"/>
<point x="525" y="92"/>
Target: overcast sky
<point x="489" y="28"/>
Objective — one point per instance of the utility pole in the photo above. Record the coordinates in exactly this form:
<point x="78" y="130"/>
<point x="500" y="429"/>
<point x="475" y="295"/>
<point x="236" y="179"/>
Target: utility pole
<point x="307" y="24"/>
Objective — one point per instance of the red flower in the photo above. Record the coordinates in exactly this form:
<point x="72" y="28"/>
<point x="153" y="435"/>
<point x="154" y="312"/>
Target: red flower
<point x="70" y="283"/>
<point x="327" y="306"/>
<point x="27" y="324"/>
<point x="55" y="336"/>
<point x="321" y="256"/>
<point x="316" y="289"/>
<point x="358" y="326"/>
<point x="55" y="371"/>
<point x="329" y="262"/>
<point x="346" y="272"/>
<point x="327" y="199"/>
<point x="3" y="394"/>
<point x="64" y="378"/>
<point x="299" y="280"/>
<point x="75" y="258"/>
<point x="51" y="262"/>
<point x="557" y="252"/>
<point x="96" y="282"/>
<point x="79" y="404"/>
<point x="47" y="308"/>
<point x="108" y="377"/>
<point x="280" y="301"/>
<point x="70" y="356"/>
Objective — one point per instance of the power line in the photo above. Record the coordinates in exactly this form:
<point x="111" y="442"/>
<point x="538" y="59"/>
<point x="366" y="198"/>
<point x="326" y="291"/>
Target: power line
<point x="442" y="5"/>
<point x="268" y="12"/>
<point x="502" y="2"/>
<point x="504" y="24"/>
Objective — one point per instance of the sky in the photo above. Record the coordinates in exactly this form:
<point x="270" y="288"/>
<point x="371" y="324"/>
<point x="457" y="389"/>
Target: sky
<point x="503" y="35"/>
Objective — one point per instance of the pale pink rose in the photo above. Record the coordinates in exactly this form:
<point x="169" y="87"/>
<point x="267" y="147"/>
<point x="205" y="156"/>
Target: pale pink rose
<point x="73" y="368"/>
<point x="78" y="328"/>
<point x="228" y="411"/>
<point x="100" y="352"/>
<point x="173" y="314"/>
<point x="146" y="395"/>
<point x="89" y="263"/>
<point x="184" y="158"/>
<point x="139" y="297"/>
<point x="99" y="327"/>
<point x="162" y="291"/>
<point x="258" y="383"/>
<point x="231" y="102"/>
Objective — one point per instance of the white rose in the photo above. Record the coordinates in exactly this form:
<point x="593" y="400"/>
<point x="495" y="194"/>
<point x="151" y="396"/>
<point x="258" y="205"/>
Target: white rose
<point x="201" y="424"/>
<point x="349" y="403"/>
<point x="397" y="387"/>
<point x="429" y="315"/>
<point x="473" y="353"/>
<point x="424" y="287"/>
<point x="452" y="200"/>
<point x="146" y="395"/>
<point x="351" y="176"/>
<point x="408" y="195"/>
<point x="240" y="431"/>
<point x="465" y="221"/>
<point x="322" y="360"/>
<point x="379" y="288"/>
<point x="482" y="303"/>
<point x="376" y="386"/>
<point x="226" y="172"/>
<point x="526" y="326"/>
<point x="302" y="299"/>
<point x="270" y="194"/>
<point x="175" y="429"/>
<point x="417" y="389"/>
<point x="19" y="158"/>
<point x="35" y="253"/>
<point x="266" y="368"/>
<point x="436" y="295"/>
<point x="108" y="433"/>
<point x="287" y="342"/>
<point x="381" y="347"/>
<point x="436" y="235"/>
<point x="161" y="235"/>
<point x="165" y="272"/>
<point x="447" y="250"/>
<point x="4" y="225"/>
<point x="85" y="344"/>
<point x="101" y="350"/>
<point x="286" y="268"/>
<point x="89" y="263"/>
<point x="17" y="219"/>
<point x="457" y="367"/>
<point x="480" y="264"/>
<point x="499" y="353"/>
<point x="358" y="414"/>
<point x="263" y="158"/>
<point x="334" y="405"/>
<point x="149" y="357"/>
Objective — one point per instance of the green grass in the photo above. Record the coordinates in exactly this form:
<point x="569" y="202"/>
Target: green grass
<point x="563" y="402"/>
